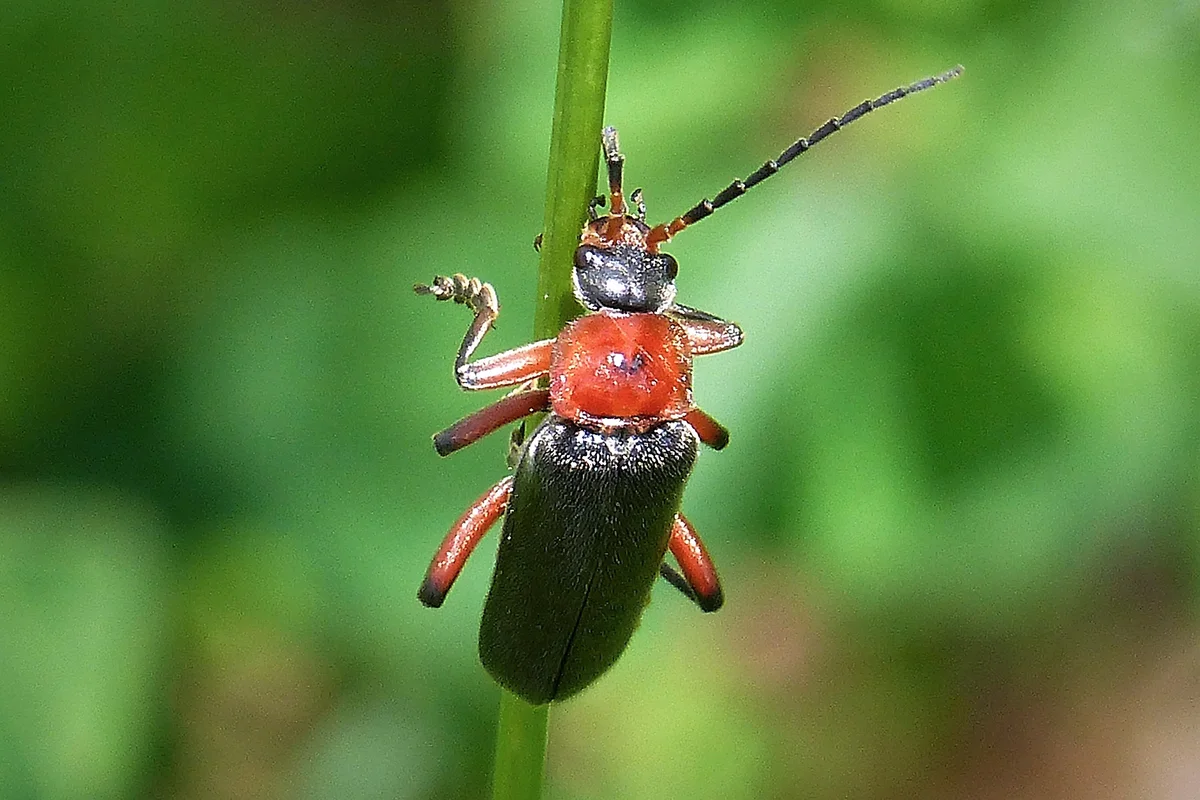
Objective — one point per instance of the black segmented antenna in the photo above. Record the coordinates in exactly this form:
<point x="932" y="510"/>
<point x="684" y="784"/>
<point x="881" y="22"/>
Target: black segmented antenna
<point x="665" y="231"/>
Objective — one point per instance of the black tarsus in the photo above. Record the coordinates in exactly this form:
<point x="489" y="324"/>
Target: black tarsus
<point x="740" y="187"/>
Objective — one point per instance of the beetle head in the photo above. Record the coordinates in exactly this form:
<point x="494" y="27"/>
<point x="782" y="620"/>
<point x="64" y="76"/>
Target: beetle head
<point x="615" y="269"/>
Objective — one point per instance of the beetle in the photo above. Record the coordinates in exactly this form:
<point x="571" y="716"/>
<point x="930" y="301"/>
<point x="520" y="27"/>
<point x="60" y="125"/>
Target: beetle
<point x="594" y="502"/>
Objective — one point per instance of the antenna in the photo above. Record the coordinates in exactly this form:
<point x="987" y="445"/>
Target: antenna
<point x="664" y="232"/>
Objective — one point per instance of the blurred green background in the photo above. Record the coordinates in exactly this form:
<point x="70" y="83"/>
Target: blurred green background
<point x="958" y="522"/>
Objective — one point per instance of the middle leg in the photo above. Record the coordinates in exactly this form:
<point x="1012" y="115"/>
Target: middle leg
<point x="474" y="427"/>
<point x="711" y="432"/>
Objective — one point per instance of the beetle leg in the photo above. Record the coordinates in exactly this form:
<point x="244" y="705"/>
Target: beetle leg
<point x="708" y="334"/>
<point x="511" y="368"/>
<point x="711" y="432"/>
<point x="680" y="311"/>
<point x="480" y="297"/>
<point x="504" y="369"/>
<point x="471" y="429"/>
<point x="524" y="387"/>
<point x="516" y="444"/>
<point x="517" y="438"/>
<point x="461" y="540"/>
<point x="699" y="582"/>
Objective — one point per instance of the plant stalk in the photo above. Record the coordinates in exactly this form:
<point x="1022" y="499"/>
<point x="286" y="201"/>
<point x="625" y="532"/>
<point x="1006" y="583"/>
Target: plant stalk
<point x="520" y="749"/>
<point x="521" y="732"/>
<point x="574" y="155"/>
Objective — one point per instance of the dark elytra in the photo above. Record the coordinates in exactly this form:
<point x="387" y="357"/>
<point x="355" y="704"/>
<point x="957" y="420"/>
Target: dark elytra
<point x="599" y="507"/>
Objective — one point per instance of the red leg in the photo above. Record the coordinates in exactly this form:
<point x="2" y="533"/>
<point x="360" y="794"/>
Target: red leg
<point x="461" y="540"/>
<point x="711" y="335"/>
<point x="711" y="432"/>
<point x="469" y="430"/>
<point x="699" y="580"/>
<point x="510" y="368"/>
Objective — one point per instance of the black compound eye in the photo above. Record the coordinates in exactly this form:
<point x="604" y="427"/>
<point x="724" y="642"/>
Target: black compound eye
<point x="672" y="266"/>
<point x="581" y="255"/>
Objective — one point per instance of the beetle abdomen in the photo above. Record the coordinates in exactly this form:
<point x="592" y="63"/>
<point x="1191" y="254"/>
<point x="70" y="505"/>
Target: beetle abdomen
<point x="587" y="527"/>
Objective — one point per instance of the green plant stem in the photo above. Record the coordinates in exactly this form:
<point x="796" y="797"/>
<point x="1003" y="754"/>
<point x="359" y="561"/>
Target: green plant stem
<point x="574" y="155"/>
<point x="520" y="749"/>
<point x="570" y="184"/>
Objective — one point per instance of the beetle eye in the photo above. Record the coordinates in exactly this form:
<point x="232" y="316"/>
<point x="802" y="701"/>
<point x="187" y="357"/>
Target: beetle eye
<point x="672" y="267"/>
<point x="581" y="255"/>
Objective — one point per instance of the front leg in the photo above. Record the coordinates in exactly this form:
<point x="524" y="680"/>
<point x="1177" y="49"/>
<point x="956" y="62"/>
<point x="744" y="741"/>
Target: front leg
<point x="480" y="297"/>
<point x="510" y="368"/>
<point x="680" y="311"/>
<point x="706" y="333"/>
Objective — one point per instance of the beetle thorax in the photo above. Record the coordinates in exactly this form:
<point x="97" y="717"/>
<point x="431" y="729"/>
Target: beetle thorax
<point x="621" y="371"/>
